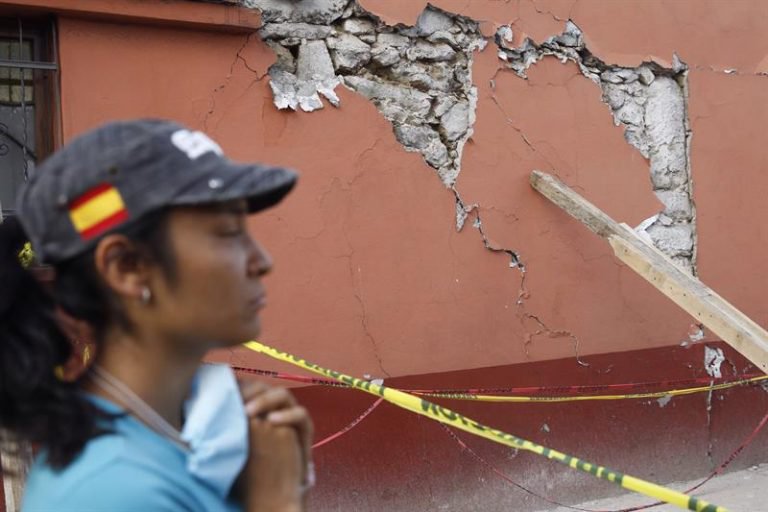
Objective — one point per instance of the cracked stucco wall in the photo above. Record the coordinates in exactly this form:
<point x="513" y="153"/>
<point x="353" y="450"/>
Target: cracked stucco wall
<point x="420" y="79"/>
<point x="650" y="102"/>
<point x="415" y="263"/>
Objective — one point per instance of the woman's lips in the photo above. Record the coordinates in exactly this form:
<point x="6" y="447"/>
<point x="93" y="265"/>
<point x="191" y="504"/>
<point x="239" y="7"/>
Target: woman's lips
<point x="258" y="303"/>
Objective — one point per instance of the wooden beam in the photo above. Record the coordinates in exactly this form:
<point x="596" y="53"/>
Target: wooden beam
<point x="688" y="292"/>
<point x="14" y="465"/>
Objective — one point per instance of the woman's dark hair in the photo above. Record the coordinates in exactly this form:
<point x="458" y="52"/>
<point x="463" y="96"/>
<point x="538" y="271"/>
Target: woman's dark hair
<point x="36" y="405"/>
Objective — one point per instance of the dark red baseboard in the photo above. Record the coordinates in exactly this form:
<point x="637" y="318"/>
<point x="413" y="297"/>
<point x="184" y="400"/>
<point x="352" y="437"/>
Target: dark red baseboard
<point x="396" y="461"/>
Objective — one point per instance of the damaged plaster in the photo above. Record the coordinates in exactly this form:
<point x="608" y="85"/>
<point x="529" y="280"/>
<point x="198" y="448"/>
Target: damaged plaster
<point x="463" y="211"/>
<point x="650" y="102"/>
<point x="418" y="77"/>
<point x="713" y="360"/>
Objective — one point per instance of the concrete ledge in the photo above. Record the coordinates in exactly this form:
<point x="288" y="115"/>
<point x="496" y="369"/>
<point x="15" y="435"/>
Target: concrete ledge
<point x="202" y="15"/>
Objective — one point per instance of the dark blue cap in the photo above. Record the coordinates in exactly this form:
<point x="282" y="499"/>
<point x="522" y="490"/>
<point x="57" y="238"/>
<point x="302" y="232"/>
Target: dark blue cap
<point x="124" y="170"/>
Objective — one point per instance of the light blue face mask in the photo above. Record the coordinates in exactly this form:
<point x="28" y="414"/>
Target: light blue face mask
<point x="216" y="428"/>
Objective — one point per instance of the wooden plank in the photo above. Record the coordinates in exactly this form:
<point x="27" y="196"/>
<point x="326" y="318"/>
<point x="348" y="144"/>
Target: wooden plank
<point x="697" y="299"/>
<point x="573" y="204"/>
<point x="688" y="292"/>
<point x="15" y="464"/>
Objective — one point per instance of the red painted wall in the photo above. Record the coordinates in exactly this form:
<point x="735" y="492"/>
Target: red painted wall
<point x="371" y="275"/>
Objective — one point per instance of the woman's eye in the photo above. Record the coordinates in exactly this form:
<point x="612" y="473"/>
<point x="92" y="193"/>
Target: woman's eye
<point x="231" y="232"/>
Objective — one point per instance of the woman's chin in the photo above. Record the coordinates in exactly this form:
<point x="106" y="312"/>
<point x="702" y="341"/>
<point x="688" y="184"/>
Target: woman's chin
<point x="250" y="333"/>
<point x="253" y="331"/>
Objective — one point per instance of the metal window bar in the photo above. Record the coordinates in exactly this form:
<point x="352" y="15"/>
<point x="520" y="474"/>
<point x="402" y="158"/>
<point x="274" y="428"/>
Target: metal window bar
<point x="13" y="79"/>
<point x="29" y="64"/>
<point x="23" y="103"/>
<point x="17" y="63"/>
<point x="4" y="132"/>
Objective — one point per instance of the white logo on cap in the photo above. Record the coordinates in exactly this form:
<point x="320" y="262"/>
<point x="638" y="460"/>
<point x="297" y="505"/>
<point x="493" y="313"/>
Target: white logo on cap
<point x="194" y="144"/>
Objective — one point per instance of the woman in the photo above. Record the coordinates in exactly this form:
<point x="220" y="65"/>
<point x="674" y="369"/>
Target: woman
<point x="144" y="224"/>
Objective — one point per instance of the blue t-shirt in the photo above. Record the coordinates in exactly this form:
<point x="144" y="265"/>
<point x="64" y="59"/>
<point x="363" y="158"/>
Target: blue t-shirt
<point x="133" y="470"/>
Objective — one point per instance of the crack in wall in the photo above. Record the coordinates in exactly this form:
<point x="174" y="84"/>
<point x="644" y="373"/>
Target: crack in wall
<point x="543" y="329"/>
<point x="363" y="313"/>
<point x="419" y="77"/>
<point x="730" y="71"/>
<point x="709" y="424"/>
<point x="223" y="85"/>
<point x="519" y="131"/>
<point x="651" y="103"/>
<point x="463" y="211"/>
<point x="366" y="330"/>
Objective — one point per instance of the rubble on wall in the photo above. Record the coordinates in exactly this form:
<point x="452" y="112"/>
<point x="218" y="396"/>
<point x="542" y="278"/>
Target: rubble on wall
<point x="319" y="12"/>
<point x="418" y="77"/>
<point x="651" y="103"/>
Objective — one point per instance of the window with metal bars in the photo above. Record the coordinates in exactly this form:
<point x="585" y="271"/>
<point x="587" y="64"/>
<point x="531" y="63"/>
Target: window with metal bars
<point x="11" y="87"/>
<point x="27" y="80"/>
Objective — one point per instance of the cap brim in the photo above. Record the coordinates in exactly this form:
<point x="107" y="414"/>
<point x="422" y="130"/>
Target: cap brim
<point x="261" y="186"/>
<point x="269" y="187"/>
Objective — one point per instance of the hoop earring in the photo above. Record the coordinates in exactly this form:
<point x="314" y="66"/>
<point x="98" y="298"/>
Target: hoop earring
<point x="146" y="295"/>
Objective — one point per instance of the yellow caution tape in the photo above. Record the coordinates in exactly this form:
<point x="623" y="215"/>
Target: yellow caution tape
<point x="581" y="398"/>
<point x="456" y="420"/>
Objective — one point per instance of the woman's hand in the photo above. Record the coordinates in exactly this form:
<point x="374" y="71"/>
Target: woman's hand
<point x="277" y="473"/>
<point x="274" y="473"/>
<point x="279" y="407"/>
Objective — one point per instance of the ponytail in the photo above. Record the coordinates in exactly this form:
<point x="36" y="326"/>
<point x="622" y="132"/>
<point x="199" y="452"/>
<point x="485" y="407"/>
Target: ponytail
<point x="35" y="405"/>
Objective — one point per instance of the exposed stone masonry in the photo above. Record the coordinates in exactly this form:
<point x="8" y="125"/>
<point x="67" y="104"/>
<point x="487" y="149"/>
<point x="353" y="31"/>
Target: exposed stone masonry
<point x="651" y="103"/>
<point x="418" y="77"/>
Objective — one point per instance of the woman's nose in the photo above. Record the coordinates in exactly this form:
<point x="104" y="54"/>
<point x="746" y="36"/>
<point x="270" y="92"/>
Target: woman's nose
<point x="259" y="262"/>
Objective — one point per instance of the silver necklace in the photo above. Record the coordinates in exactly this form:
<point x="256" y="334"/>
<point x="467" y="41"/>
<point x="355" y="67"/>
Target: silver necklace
<point x="135" y="405"/>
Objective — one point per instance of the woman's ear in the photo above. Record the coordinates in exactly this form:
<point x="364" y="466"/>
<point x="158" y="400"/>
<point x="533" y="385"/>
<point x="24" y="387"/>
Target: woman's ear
<point x="121" y="266"/>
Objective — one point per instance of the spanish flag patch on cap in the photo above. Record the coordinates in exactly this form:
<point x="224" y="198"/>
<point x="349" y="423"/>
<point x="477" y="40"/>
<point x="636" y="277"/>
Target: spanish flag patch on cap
<point x="98" y="210"/>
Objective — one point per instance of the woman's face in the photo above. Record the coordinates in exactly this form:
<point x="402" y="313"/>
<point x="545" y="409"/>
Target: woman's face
<point x="216" y="294"/>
